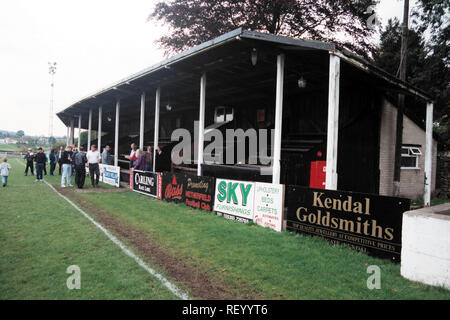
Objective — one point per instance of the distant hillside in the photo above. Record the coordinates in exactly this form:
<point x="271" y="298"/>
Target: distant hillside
<point x="7" y="132"/>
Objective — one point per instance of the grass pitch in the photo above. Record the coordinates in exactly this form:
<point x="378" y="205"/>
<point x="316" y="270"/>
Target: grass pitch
<point x="40" y="236"/>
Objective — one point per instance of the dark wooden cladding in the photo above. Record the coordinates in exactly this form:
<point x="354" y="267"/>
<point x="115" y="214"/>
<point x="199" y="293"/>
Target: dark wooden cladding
<point x="358" y="144"/>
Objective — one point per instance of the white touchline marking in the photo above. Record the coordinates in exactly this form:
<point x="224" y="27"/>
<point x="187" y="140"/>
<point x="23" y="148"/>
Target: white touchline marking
<point x="172" y="288"/>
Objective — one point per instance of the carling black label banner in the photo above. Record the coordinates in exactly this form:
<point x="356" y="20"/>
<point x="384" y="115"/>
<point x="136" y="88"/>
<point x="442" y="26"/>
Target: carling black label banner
<point x="199" y="191"/>
<point x="145" y="182"/>
<point x="366" y="222"/>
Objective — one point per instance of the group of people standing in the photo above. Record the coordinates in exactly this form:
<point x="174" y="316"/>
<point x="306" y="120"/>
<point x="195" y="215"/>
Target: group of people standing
<point x="40" y="160"/>
<point x="71" y="161"/>
<point x="140" y="159"/>
<point x="78" y="160"/>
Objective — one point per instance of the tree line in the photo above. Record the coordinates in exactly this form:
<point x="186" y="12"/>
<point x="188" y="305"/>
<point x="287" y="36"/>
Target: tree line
<point x="348" y="23"/>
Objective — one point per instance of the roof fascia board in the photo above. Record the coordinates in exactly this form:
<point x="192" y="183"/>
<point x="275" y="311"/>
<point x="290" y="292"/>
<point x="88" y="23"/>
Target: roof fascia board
<point x="311" y="44"/>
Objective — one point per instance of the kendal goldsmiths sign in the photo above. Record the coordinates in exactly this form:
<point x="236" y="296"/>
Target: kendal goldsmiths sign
<point x="366" y="222"/>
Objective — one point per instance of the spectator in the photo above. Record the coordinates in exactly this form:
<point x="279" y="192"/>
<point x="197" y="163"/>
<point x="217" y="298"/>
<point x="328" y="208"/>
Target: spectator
<point x="158" y="159"/>
<point x="66" y="161"/>
<point x="140" y="162"/>
<point x="45" y="164"/>
<point x="53" y="161"/>
<point x="106" y="156"/>
<point x="93" y="158"/>
<point x="29" y="157"/>
<point x="79" y="161"/>
<point x="149" y="159"/>
<point x="40" y="160"/>
<point x="5" y="167"/>
<point x="60" y="153"/>
<point x="74" y="152"/>
<point x="132" y="156"/>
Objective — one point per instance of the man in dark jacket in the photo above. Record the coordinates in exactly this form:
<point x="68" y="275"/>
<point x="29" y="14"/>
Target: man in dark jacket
<point x="29" y="157"/>
<point x="52" y="158"/>
<point x="74" y="152"/>
<point x="45" y="164"/>
<point x="79" y="161"/>
<point x="40" y="160"/>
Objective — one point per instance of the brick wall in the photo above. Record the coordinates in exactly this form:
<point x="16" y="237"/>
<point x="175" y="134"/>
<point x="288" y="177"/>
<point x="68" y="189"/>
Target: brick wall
<point x="387" y="148"/>
<point x="411" y="180"/>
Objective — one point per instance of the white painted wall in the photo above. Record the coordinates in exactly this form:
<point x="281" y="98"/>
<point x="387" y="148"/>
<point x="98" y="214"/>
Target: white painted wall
<point x="425" y="253"/>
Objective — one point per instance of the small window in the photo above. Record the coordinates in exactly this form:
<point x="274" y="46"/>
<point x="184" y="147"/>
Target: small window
<point x="223" y="114"/>
<point x="415" y="151"/>
<point x="229" y="114"/>
<point x="405" y="151"/>
<point x="410" y="157"/>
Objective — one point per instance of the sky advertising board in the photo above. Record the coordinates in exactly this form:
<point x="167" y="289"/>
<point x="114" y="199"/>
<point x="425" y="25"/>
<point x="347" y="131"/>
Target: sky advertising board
<point x="234" y="199"/>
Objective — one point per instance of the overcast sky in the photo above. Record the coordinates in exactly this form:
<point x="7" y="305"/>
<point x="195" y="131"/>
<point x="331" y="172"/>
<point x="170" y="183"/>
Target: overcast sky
<point x="94" y="43"/>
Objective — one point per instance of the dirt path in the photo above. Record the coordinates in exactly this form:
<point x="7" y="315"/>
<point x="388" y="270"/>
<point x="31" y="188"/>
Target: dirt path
<point x="199" y="283"/>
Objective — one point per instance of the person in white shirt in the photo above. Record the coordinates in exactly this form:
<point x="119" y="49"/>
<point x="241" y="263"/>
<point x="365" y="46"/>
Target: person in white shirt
<point x="93" y="158"/>
<point x="132" y="156"/>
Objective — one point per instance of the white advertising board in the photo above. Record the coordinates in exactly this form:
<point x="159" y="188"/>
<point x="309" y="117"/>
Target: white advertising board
<point x="269" y="205"/>
<point x="234" y="198"/>
<point x="110" y="174"/>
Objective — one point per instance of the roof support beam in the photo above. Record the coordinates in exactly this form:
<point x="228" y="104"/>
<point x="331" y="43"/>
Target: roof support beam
<point x="428" y="155"/>
<point x="79" y="131"/>
<point x="99" y="128"/>
<point x="201" y="123"/>
<point x="156" y="135"/>
<point x="142" y="123"/>
<point x="116" y="135"/>
<point x="89" y="130"/>
<point x="278" y="119"/>
<point x="331" y="180"/>
<point x="72" y="131"/>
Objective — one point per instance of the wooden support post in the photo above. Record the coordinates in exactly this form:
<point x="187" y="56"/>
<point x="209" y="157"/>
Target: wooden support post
<point x="333" y="123"/>
<point x="428" y="155"/>
<point x="116" y="135"/>
<point x="142" y="122"/>
<point x="201" y="123"/>
<point x="79" y="131"/>
<point x="278" y="120"/>
<point x="72" y="131"/>
<point x="156" y="135"/>
<point x="89" y="130"/>
<point x="99" y="129"/>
